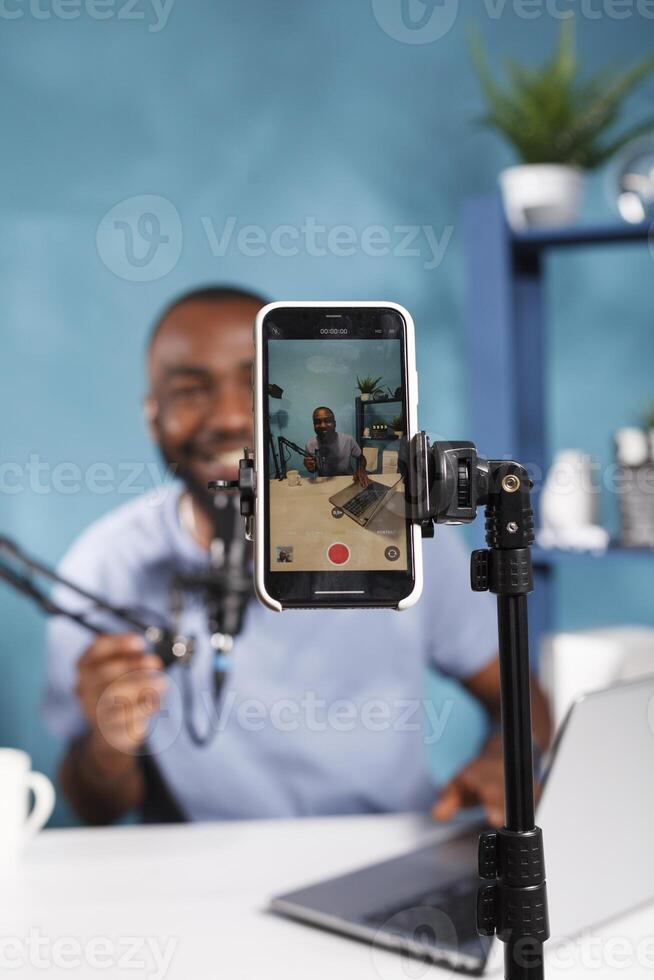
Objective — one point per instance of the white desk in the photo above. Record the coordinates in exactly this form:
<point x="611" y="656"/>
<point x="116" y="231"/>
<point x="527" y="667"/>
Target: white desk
<point x="205" y="887"/>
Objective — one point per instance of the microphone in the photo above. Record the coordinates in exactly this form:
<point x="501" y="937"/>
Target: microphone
<point x="226" y="585"/>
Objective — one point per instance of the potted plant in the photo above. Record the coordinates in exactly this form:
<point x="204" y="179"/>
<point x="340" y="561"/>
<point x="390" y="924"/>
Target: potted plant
<point x="368" y="387"/>
<point x="557" y="123"/>
<point x="397" y="425"/>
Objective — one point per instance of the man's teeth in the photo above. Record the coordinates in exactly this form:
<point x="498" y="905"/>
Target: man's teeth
<point x="225" y="459"/>
<point x="232" y="458"/>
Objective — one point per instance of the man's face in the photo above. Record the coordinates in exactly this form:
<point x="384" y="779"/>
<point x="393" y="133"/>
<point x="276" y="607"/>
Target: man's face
<point x="200" y="400"/>
<point x="324" y="423"/>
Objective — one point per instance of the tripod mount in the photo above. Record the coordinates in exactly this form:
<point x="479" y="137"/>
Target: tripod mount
<point x="446" y="483"/>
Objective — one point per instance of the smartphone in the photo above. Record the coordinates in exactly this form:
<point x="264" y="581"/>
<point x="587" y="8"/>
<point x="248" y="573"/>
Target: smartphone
<point x="335" y="406"/>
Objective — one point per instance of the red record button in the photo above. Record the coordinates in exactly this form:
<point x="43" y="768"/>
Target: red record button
<point x="338" y="554"/>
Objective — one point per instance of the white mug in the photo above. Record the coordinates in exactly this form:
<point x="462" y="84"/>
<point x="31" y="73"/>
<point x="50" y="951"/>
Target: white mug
<point x="293" y="478"/>
<point x="17" y="823"/>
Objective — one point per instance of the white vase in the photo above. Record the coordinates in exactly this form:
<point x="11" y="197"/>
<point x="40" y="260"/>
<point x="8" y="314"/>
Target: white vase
<point x="540" y="195"/>
<point x="632" y="446"/>
<point x="570" y="496"/>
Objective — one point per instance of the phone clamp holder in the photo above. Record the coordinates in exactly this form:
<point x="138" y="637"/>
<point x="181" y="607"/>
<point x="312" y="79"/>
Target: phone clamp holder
<point x="246" y="486"/>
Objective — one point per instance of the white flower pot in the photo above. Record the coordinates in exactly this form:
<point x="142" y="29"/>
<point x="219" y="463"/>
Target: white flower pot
<point x="540" y="195"/>
<point x="365" y="396"/>
<point x="569" y="497"/>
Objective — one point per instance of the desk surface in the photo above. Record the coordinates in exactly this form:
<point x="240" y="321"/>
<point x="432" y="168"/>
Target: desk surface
<point x="302" y="521"/>
<point x="203" y="889"/>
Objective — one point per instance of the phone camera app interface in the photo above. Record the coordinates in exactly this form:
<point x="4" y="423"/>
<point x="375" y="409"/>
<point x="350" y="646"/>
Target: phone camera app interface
<point x="335" y="429"/>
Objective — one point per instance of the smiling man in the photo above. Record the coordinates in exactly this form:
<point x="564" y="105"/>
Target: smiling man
<point x="304" y="725"/>
<point x="332" y="450"/>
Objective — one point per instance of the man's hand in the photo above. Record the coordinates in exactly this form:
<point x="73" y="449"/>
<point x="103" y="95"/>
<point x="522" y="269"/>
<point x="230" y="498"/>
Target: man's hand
<point x="360" y="476"/>
<point x="480" y="782"/>
<point x="119" y="687"/>
<point x="310" y="463"/>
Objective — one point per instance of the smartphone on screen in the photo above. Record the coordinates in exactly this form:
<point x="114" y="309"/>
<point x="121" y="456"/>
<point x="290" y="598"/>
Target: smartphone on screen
<point x="335" y="406"/>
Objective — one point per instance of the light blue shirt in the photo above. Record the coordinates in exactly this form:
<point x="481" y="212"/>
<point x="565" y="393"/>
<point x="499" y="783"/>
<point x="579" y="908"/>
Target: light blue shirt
<point x="337" y="453"/>
<point x="323" y="712"/>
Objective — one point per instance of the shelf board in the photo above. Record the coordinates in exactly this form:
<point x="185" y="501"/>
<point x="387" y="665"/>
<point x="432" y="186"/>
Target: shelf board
<point x="379" y="401"/>
<point x="554" y="556"/>
<point x="538" y="238"/>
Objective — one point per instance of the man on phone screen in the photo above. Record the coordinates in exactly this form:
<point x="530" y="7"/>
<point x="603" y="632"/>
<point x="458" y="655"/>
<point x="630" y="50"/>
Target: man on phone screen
<point x="307" y="721"/>
<point x="331" y="452"/>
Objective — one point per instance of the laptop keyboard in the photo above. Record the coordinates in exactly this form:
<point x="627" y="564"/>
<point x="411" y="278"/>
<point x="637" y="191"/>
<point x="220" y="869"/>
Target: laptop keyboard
<point x="446" y="915"/>
<point x="357" y="505"/>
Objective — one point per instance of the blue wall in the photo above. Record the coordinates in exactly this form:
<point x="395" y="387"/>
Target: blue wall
<point x="268" y="114"/>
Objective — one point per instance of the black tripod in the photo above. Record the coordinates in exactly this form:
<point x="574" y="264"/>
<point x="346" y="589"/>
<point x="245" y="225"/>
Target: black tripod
<point x="515" y="905"/>
<point x="449" y="481"/>
<point x="446" y="482"/>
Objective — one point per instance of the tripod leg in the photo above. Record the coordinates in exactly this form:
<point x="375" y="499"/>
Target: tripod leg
<point x="516" y="712"/>
<point x="515" y="906"/>
<point x="523" y="958"/>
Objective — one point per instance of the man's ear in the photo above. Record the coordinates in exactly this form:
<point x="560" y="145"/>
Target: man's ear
<point x="151" y="416"/>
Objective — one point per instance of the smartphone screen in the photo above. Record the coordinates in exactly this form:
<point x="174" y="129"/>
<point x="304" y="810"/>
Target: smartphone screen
<point x="335" y="440"/>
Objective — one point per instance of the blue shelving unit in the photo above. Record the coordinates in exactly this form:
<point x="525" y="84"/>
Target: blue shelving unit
<point x="505" y="334"/>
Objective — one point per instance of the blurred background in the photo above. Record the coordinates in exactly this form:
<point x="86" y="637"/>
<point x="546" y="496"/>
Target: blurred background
<point x="152" y="149"/>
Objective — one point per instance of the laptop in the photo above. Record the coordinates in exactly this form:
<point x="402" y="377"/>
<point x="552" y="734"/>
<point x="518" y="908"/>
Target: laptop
<point x="363" y="504"/>
<point x="596" y="811"/>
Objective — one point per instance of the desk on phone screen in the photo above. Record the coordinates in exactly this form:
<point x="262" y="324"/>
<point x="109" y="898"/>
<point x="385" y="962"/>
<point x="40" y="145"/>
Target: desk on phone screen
<point x="301" y="518"/>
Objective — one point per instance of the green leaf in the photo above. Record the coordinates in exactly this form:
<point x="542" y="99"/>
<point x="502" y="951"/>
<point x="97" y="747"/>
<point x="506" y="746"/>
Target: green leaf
<point x="548" y="113"/>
